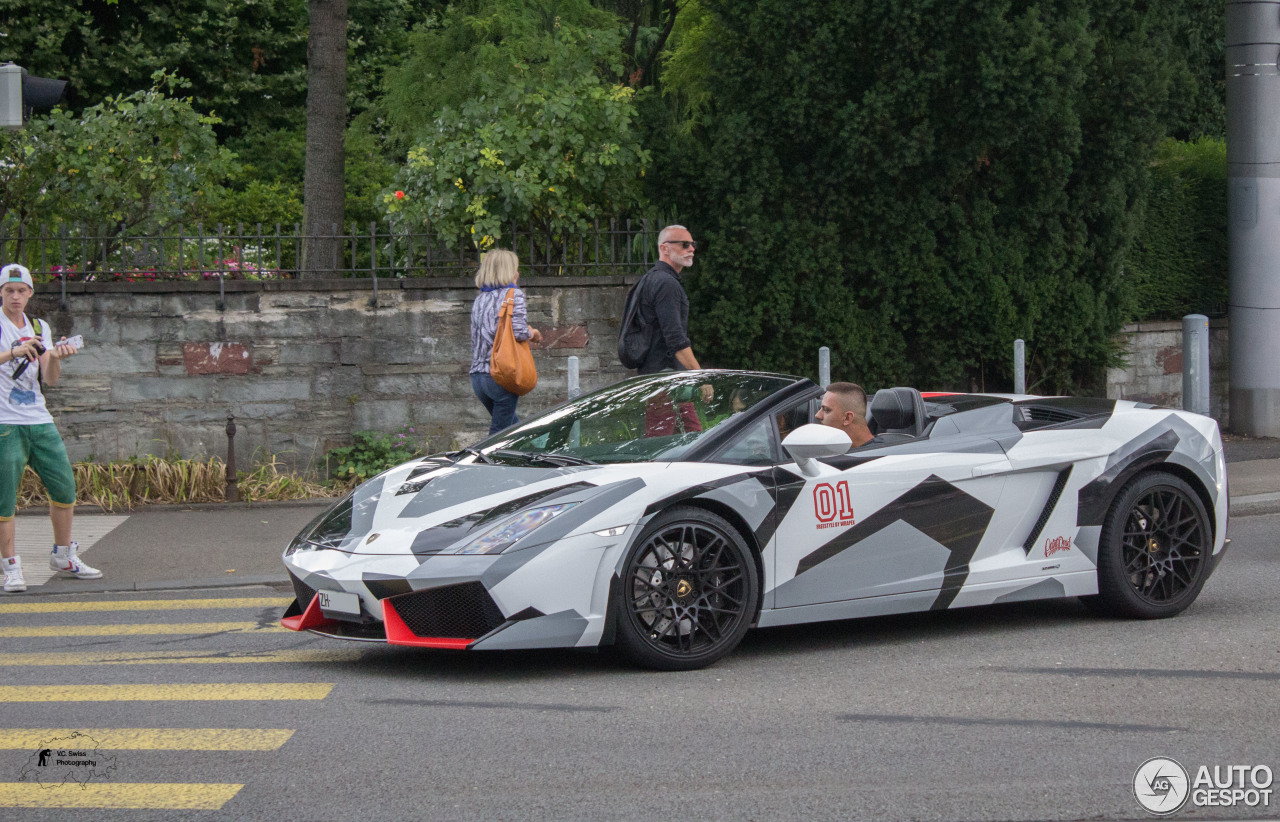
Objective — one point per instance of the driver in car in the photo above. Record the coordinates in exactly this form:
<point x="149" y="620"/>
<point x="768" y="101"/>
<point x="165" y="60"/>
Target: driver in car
<point x="844" y="406"/>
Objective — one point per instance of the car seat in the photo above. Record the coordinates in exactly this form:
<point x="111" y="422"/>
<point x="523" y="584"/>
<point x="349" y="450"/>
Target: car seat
<point x="897" y="414"/>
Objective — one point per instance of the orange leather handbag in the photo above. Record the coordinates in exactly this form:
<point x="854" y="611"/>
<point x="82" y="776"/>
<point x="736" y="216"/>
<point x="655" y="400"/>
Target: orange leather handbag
<point x="511" y="363"/>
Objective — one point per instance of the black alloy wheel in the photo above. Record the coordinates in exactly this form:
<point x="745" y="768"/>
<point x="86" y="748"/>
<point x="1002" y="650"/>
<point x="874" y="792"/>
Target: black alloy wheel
<point x="1155" y="547"/>
<point x="689" y="591"/>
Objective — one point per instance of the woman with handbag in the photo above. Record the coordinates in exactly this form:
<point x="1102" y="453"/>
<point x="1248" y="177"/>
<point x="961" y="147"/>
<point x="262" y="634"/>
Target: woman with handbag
<point x="499" y="313"/>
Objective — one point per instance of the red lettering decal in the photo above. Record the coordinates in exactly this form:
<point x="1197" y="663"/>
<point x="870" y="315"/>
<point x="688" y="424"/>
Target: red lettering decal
<point x="846" y="507"/>
<point x="1053" y="546"/>
<point x="830" y="503"/>
<point x="824" y="502"/>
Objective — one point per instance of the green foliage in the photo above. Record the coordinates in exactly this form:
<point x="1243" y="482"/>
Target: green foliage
<point x="258" y="201"/>
<point x="555" y="157"/>
<point x="1199" y="93"/>
<point x="1178" y="264"/>
<point x="136" y="161"/>
<point x="368" y="172"/>
<point x="246" y="61"/>
<point x="268" y="189"/>
<point x="371" y="454"/>
<point x="867" y="179"/>
<point x="478" y="45"/>
<point x="527" y="131"/>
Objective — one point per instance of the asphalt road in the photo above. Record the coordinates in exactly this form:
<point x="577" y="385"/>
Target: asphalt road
<point x="1024" y="711"/>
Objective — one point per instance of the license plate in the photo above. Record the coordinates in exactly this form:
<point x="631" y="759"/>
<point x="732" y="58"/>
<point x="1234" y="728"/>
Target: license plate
<point x="339" y="603"/>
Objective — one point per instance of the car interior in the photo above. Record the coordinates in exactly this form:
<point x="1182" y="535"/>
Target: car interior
<point x="897" y="414"/>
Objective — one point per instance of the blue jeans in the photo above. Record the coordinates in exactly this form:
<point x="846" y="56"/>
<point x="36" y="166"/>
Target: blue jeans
<point x="498" y="401"/>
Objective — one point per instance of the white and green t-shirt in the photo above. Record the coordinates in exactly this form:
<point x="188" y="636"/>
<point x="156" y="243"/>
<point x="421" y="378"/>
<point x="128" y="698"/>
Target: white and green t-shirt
<point x="21" y="401"/>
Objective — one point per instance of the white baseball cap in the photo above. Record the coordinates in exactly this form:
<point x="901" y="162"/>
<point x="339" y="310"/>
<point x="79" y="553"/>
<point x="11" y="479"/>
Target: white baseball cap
<point x="16" y="273"/>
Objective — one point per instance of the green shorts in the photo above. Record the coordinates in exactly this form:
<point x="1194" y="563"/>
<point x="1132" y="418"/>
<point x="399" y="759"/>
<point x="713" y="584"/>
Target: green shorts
<point x="39" y="446"/>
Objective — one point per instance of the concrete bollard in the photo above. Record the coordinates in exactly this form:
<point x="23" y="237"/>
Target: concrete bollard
<point x="1195" y="363"/>
<point x="1019" y="367"/>
<point x="574" y="390"/>
<point x="824" y="367"/>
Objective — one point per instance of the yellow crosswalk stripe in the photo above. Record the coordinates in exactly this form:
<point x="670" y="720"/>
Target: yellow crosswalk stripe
<point x="142" y="605"/>
<point x="193" y="796"/>
<point x="152" y="739"/>
<point x="176" y="658"/>
<point x="180" y="693"/>
<point x="134" y="629"/>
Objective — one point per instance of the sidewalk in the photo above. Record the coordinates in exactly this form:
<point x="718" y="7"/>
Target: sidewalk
<point x="165" y="547"/>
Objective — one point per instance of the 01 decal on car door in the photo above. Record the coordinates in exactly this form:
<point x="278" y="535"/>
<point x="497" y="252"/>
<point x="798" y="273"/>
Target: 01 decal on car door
<point x="901" y="523"/>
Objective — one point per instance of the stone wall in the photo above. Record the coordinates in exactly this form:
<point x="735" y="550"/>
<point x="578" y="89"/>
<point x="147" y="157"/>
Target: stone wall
<point x="301" y="365"/>
<point x="1154" y="366"/>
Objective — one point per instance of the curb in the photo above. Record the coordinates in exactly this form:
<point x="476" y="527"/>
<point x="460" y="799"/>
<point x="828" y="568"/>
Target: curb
<point x="1254" y="505"/>
<point x="164" y="585"/>
<point x="165" y="508"/>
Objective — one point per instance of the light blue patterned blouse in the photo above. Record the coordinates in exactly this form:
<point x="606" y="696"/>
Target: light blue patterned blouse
<point x="484" y="324"/>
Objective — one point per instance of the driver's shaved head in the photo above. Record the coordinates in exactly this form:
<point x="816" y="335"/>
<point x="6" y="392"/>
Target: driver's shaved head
<point x="850" y="396"/>
<point x="844" y="406"/>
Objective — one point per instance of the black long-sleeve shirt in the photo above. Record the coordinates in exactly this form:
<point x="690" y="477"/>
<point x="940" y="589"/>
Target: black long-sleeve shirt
<point x="664" y="305"/>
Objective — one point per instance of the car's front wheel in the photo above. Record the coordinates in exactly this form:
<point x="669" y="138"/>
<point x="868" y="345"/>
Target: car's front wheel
<point x="1154" y="550"/>
<point x="689" y="591"/>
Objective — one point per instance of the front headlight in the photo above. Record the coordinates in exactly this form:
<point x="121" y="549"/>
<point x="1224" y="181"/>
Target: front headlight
<point x="510" y="531"/>
<point x="326" y="531"/>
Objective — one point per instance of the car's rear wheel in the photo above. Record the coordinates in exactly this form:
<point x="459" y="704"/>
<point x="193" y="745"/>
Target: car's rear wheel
<point x="689" y="591"/>
<point x="1154" y="550"/>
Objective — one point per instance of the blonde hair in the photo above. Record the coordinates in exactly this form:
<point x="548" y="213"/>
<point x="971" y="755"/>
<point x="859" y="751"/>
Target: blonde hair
<point x="497" y="267"/>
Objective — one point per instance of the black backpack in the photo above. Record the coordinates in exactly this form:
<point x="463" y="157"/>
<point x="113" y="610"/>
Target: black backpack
<point x="634" y="337"/>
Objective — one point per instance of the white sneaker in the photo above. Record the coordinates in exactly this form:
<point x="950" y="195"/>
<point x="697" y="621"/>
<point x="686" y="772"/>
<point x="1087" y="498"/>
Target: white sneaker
<point x="13" y="581"/>
<point x="71" y="564"/>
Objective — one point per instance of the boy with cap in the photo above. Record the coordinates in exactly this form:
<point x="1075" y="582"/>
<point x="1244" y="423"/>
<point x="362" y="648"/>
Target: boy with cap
<point x="27" y="433"/>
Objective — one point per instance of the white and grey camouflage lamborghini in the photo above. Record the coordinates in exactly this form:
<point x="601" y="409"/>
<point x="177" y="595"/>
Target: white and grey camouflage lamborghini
<point x="668" y="514"/>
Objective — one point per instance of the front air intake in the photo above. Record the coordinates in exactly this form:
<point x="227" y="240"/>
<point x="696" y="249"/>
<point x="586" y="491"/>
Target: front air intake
<point x="464" y="611"/>
<point x="303" y="592"/>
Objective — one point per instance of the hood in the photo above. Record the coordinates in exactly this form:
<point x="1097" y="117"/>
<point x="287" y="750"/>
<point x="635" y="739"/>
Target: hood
<point x="435" y="506"/>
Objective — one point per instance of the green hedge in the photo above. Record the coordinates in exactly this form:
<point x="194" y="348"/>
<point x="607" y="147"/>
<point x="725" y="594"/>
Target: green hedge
<point x="916" y="184"/>
<point x="1178" y="264"/>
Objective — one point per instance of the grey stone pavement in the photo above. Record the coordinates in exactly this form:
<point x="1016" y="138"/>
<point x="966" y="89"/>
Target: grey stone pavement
<point x="164" y="547"/>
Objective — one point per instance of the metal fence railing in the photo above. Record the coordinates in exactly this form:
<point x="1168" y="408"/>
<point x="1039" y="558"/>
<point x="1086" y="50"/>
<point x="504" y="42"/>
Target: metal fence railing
<point x="195" y="252"/>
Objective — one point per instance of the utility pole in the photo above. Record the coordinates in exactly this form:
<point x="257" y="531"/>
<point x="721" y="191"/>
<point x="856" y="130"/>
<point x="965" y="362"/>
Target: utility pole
<point x="1253" y="207"/>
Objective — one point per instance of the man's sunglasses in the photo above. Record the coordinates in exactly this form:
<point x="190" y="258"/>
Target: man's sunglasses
<point x="681" y="243"/>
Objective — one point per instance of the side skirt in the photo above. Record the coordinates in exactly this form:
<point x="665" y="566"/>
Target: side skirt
<point x="1081" y="583"/>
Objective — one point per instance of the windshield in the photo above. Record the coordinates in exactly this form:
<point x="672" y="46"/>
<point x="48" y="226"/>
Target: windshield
<point x="655" y="417"/>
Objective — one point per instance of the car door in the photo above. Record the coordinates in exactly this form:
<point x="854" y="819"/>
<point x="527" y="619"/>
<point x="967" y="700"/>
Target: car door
<point x="887" y="520"/>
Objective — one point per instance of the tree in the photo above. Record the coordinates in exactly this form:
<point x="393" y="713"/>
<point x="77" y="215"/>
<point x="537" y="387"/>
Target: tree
<point x="544" y="134"/>
<point x="140" y="161"/>
<point x="867" y="179"/>
<point x="323" y="197"/>
<point x="476" y="46"/>
<point x="555" y="156"/>
<point x="245" y="61"/>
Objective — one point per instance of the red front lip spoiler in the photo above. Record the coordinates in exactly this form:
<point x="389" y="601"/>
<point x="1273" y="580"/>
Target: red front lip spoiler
<point x="313" y="617"/>
<point x="398" y="632"/>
